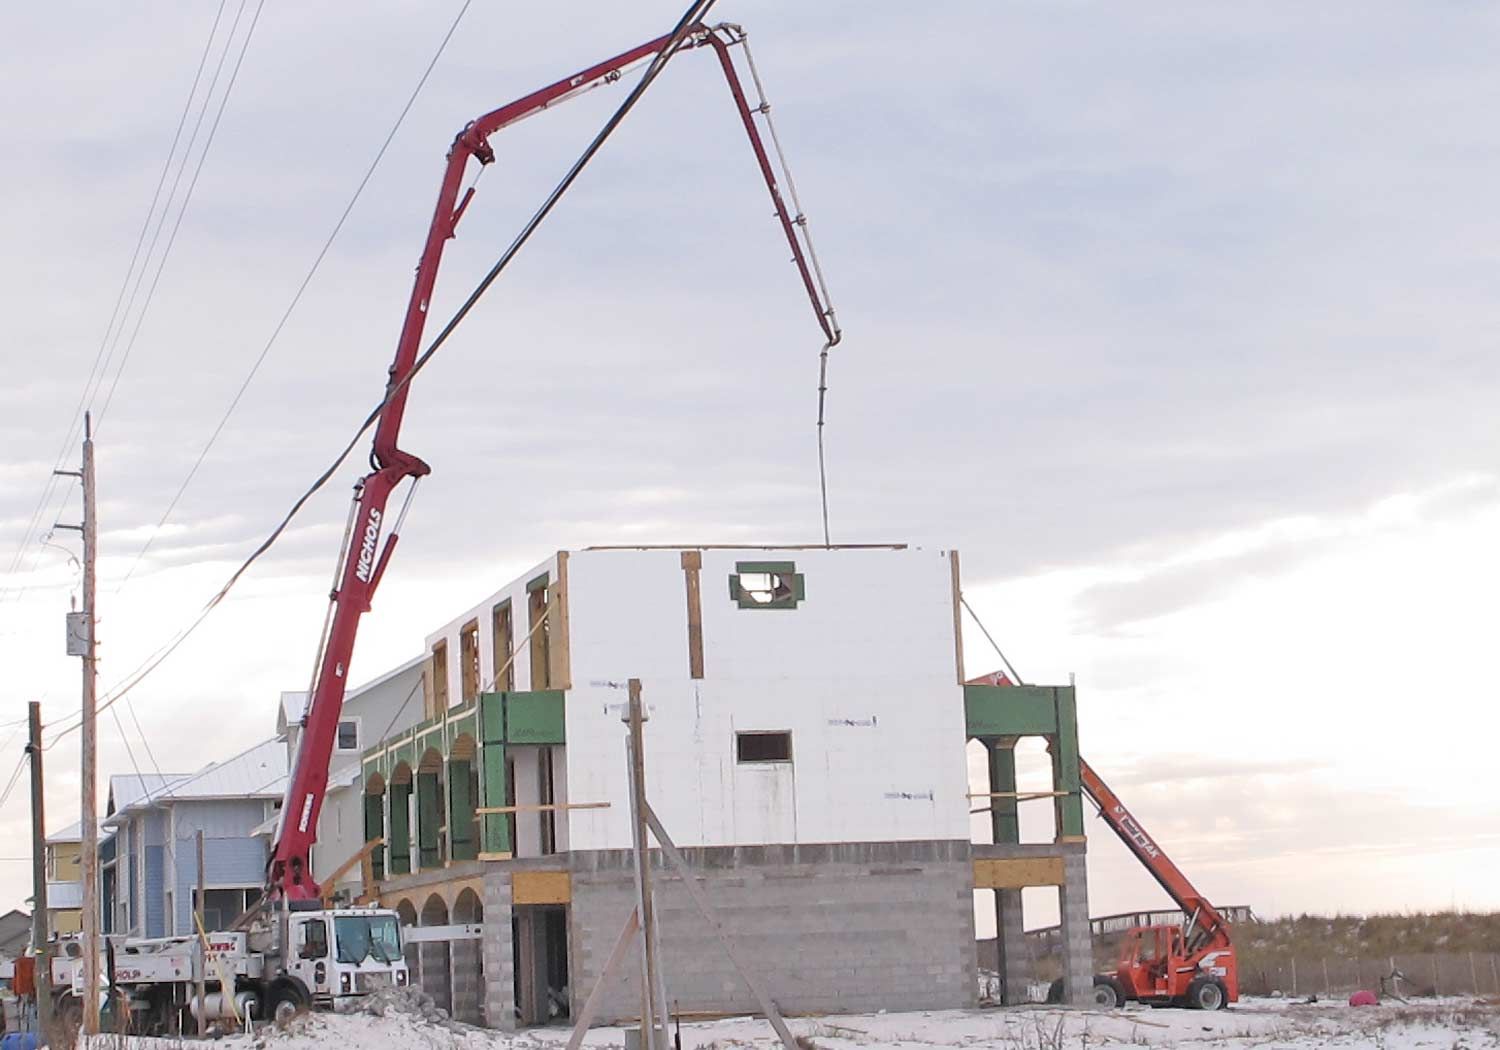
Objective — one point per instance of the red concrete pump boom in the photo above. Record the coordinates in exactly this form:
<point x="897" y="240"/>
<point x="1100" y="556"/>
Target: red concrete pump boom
<point x="1206" y="927"/>
<point x="364" y="561"/>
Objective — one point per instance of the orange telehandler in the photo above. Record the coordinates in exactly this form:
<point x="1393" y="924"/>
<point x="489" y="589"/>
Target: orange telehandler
<point x="1190" y="965"/>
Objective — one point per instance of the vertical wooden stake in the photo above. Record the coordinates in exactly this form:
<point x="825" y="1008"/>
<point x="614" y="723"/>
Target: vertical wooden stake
<point x="40" y="935"/>
<point x="200" y="957"/>
<point x="1327" y="988"/>
<point x="653" y="992"/>
<point x="1473" y="974"/>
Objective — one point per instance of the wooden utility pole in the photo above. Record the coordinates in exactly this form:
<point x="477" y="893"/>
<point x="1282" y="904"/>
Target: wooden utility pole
<point x="39" y="932"/>
<point x="81" y="642"/>
<point x="89" y="824"/>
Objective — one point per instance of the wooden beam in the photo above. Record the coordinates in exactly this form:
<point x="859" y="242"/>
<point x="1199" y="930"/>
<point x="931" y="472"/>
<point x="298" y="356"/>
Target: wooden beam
<point x="958" y="617"/>
<point x="692" y="566"/>
<point x="591" y="1004"/>
<point x="360" y="856"/>
<point x="541" y="807"/>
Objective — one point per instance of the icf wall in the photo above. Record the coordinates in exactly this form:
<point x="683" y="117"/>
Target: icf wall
<point x="861" y="671"/>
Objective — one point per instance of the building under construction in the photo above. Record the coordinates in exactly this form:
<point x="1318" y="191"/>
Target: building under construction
<point x="806" y="746"/>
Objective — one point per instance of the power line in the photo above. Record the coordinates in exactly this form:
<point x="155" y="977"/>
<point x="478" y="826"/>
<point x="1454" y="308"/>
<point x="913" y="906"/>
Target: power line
<point x="188" y="196"/>
<point x="296" y="298"/>
<point x="115" y="313"/>
<point x="693" y="14"/>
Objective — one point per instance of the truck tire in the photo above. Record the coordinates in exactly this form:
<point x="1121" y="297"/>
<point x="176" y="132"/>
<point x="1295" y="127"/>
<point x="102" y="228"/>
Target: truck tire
<point x="287" y="998"/>
<point x="1206" y="993"/>
<point x="1107" y="992"/>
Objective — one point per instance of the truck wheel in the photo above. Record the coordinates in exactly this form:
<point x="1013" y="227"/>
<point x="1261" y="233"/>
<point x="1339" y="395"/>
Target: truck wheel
<point x="1106" y="993"/>
<point x="287" y="999"/>
<point x="1206" y="994"/>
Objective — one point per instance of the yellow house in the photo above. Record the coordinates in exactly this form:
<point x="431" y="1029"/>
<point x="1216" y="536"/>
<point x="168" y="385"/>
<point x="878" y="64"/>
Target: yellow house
<point x="64" y="880"/>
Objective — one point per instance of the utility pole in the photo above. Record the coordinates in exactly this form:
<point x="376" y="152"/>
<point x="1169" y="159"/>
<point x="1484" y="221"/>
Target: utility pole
<point x="82" y="642"/>
<point x="39" y="932"/>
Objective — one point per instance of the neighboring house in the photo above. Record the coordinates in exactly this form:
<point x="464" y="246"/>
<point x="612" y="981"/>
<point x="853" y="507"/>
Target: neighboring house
<point x="386" y="705"/>
<point x="64" y="885"/>
<point x="152" y="888"/>
<point x="15" y="933"/>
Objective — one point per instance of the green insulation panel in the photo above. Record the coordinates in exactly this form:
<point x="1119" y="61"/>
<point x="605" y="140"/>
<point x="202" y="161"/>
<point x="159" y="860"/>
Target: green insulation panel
<point x="534" y="717"/>
<point x="429" y="816"/>
<point x="495" y="828"/>
<point x="1012" y="710"/>
<point x="461" y="811"/>
<point x="400" y="837"/>
<point x="492" y="718"/>
<point x="375" y="829"/>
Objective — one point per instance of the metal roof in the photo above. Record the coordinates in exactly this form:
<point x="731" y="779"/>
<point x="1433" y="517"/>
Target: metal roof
<point x="257" y="772"/>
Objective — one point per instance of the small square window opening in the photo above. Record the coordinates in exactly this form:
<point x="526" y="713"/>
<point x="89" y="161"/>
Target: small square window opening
<point x="763" y="747"/>
<point x="348" y="735"/>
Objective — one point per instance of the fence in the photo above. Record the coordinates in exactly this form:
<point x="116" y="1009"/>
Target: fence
<point x="1433" y="973"/>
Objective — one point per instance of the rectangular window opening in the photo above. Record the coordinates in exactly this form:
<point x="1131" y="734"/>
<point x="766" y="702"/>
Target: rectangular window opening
<point x="348" y="734"/>
<point x="540" y="625"/>
<point x="468" y="660"/>
<point x="504" y="642"/>
<point x="439" y="678"/>
<point x="763" y="747"/>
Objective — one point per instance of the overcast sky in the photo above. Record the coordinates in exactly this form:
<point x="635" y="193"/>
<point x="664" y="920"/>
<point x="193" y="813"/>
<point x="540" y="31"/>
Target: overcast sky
<point x="1178" y="321"/>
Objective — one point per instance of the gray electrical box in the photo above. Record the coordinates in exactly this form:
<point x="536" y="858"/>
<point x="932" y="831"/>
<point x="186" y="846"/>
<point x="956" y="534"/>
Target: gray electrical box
<point x="78" y="634"/>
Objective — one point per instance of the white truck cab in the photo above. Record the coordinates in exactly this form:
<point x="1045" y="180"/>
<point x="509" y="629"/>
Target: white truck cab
<point x="341" y="955"/>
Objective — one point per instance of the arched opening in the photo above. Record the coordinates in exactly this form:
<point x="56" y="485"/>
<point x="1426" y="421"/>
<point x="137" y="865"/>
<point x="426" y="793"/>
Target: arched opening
<point x="437" y="978"/>
<point x="407" y="914"/>
<point x="375" y="823"/>
<point x="431" y="819"/>
<point x="399" y="858"/>
<point x="463" y="797"/>
<point x="468" y="962"/>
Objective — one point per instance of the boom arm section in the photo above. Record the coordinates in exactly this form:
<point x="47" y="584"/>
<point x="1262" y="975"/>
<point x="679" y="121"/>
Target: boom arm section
<point x="289" y="874"/>
<point x="1206" y="925"/>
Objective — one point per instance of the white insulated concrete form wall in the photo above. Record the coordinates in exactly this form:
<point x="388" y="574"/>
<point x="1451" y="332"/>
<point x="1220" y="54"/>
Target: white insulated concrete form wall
<point x="861" y="672"/>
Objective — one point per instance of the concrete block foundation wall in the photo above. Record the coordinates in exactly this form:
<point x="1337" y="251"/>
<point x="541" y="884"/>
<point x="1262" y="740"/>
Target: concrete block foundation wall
<point x="839" y="928"/>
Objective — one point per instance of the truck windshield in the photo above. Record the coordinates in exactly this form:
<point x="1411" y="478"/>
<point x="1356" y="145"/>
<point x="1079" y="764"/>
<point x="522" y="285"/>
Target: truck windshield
<point x="367" y="936"/>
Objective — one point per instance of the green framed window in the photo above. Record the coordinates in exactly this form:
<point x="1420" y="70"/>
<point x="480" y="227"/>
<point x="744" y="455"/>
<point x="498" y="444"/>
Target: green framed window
<point x="766" y="585"/>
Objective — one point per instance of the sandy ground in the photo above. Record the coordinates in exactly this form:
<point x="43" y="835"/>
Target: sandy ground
<point x="1446" y="1023"/>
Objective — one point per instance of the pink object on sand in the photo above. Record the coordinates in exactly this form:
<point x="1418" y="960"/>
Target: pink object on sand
<point x="1364" y="997"/>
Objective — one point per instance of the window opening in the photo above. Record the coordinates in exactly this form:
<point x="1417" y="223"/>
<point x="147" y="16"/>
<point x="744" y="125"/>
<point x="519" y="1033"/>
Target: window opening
<point x="546" y="794"/>
<point x="763" y="747"/>
<point x="468" y="660"/>
<point x="766" y="585"/>
<point x="504" y="672"/>
<point x="349" y="735"/>
<point x="541" y="641"/>
<point x="439" y="677"/>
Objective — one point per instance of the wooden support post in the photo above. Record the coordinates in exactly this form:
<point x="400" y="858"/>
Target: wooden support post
<point x="41" y="937"/>
<point x="692" y="569"/>
<point x="653" y="993"/>
<point x="690" y="882"/>
<point x="200" y="958"/>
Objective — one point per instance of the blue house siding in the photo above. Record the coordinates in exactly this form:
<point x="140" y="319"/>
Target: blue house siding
<point x="156" y="909"/>
<point x="231" y="857"/>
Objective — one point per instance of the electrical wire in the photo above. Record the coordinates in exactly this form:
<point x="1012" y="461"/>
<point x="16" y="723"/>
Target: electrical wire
<point x="187" y="197"/>
<point x="71" y="435"/>
<point x="296" y="297"/>
<point x="694" y="13"/>
<point x="15" y="777"/>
